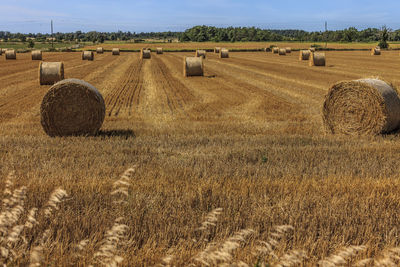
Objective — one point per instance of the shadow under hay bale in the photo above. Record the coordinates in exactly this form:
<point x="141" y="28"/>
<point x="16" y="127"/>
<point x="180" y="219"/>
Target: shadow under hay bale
<point x="116" y="133"/>
<point x="72" y="107"/>
<point x="362" y="107"/>
<point x="193" y="66"/>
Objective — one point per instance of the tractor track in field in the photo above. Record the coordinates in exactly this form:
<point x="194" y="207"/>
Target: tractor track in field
<point x="125" y="95"/>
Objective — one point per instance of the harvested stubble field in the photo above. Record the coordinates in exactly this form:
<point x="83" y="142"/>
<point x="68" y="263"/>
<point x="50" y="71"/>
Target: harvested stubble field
<point x="247" y="137"/>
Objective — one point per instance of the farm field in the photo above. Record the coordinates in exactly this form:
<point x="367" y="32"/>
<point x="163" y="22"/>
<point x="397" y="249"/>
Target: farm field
<point x="247" y="137"/>
<point x="237" y="45"/>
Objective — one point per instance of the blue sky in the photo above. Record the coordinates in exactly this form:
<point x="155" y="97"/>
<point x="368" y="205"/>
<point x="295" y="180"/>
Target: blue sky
<point x="163" y="15"/>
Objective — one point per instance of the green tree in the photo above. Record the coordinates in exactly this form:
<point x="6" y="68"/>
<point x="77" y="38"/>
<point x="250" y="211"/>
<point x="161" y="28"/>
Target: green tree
<point x="31" y="43"/>
<point x="384" y="38"/>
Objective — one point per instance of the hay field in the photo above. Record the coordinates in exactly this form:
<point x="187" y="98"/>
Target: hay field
<point x="238" y="45"/>
<point x="247" y="137"/>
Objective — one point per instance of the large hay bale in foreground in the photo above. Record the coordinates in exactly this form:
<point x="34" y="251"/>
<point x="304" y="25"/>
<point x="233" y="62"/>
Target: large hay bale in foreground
<point x="193" y="66"/>
<point x="366" y="106"/>
<point x="50" y="72"/>
<point x="201" y="53"/>
<point x="36" y="55"/>
<point x="217" y="49"/>
<point x="288" y="50"/>
<point x="115" y="51"/>
<point x="87" y="55"/>
<point x="304" y="55"/>
<point x="275" y="50"/>
<point x="224" y="53"/>
<point x="159" y="50"/>
<point x="282" y="52"/>
<point x="317" y="59"/>
<point x="99" y="50"/>
<point x="11" y="54"/>
<point x="145" y="53"/>
<point x="376" y="51"/>
<point x="72" y="107"/>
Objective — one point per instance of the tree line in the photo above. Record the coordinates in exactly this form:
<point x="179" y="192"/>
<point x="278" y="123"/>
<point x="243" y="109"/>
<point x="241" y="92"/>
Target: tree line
<point x="214" y="34"/>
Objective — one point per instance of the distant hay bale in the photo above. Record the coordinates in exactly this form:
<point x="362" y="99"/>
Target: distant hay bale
<point x="87" y="55"/>
<point x="11" y="54"/>
<point x="72" y="107"/>
<point x="275" y="50"/>
<point x="304" y="55"/>
<point x="217" y="49"/>
<point x="3" y="50"/>
<point x="36" y="55"/>
<point x="282" y="52"/>
<point x="375" y="51"/>
<point x="201" y="53"/>
<point x="145" y="53"/>
<point x="317" y="59"/>
<point x="50" y="72"/>
<point x="115" y="51"/>
<point x="99" y="50"/>
<point x="361" y="107"/>
<point x="223" y="53"/>
<point x="193" y="66"/>
<point x="288" y="50"/>
<point x="159" y="50"/>
<point x="312" y="49"/>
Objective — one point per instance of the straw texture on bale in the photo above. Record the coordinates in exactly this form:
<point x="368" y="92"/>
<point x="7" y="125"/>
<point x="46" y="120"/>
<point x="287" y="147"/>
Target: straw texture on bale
<point x="317" y="59"/>
<point x="288" y="50"/>
<point x="275" y="50"/>
<point x="312" y="49"/>
<point x="99" y="50"/>
<point x="375" y="51"/>
<point x="217" y="49"/>
<point x="362" y="107"/>
<point x="36" y="55"/>
<point x="193" y="66"/>
<point x="145" y="53"/>
<point x="50" y="72"/>
<point x="72" y="107"/>
<point x="11" y="54"/>
<point x="224" y="53"/>
<point x="159" y="50"/>
<point x="282" y="52"/>
<point x="87" y="55"/>
<point x="201" y="53"/>
<point x="304" y="55"/>
<point x="115" y="51"/>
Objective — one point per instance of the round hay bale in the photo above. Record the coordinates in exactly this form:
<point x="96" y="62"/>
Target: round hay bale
<point x="193" y="66"/>
<point x="3" y="50"/>
<point x="375" y="51"/>
<point x="159" y="51"/>
<point x="87" y="55"/>
<point x="115" y="51"/>
<point x="312" y="49"/>
<point x="72" y="107"/>
<point x="145" y="53"/>
<point x="11" y="54"/>
<point x="217" y="49"/>
<point x="224" y="53"/>
<point x="288" y="50"/>
<point x="99" y="50"/>
<point x="50" y="72"/>
<point x="282" y="52"/>
<point x="201" y="53"/>
<point x="304" y="55"/>
<point x="275" y="50"/>
<point x="317" y="59"/>
<point x="36" y="55"/>
<point x="361" y="107"/>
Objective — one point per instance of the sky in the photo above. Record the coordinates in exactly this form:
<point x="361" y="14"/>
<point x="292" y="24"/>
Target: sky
<point x="172" y="15"/>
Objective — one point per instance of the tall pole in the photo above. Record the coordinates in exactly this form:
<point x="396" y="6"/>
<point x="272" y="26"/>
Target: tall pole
<point x="326" y="34"/>
<point x="52" y="37"/>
